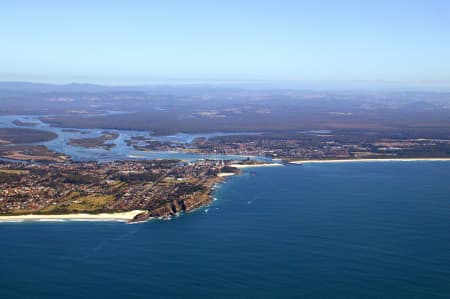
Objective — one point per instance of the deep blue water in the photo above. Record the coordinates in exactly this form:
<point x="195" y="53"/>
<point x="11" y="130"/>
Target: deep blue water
<point x="356" y="230"/>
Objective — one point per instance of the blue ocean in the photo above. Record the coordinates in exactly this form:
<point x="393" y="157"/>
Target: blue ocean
<point x="344" y="230"/>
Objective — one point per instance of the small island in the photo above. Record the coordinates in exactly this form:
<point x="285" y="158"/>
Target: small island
<point x="96" y="142"/>
<point x="21" y="123"/>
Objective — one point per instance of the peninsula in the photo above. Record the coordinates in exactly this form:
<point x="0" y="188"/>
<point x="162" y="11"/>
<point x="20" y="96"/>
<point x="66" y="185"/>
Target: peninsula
<point x="140" y="189"/>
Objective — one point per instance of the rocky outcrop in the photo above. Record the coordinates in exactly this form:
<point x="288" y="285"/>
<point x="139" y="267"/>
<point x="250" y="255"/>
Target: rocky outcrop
<point x="175" y="207"/>
<point x="185" y="203"/>
<point x="140" y="217"/>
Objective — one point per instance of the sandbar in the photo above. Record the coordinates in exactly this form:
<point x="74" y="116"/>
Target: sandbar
<point x="370" y="160"/>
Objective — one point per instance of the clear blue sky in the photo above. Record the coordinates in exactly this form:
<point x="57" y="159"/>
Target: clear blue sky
<point x="140" y="41"/>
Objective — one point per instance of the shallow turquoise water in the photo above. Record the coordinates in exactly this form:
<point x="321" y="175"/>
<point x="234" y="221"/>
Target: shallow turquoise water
<point x="356" y="230"/>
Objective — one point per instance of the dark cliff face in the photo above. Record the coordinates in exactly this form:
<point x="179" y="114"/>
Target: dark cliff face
<point x="179" y="205"/>
<point x="171" y="209"/>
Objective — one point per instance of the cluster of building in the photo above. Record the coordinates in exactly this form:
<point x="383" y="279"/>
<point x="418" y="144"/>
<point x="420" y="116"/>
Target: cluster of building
<point x="314" y="146"/>
<point x="58" y="188"/>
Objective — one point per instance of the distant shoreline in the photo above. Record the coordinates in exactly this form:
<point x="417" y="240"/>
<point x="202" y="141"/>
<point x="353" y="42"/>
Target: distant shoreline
<point x="122" y="216"/>
<point x="255" y="165"/>
<point x="299" y="162"/>
<point x="371" y="160"/>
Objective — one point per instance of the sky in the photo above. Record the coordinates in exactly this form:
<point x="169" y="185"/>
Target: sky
<point x="139" y="42"/>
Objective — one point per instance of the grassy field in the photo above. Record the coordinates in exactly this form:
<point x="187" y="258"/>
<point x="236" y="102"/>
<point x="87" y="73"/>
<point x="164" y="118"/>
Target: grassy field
<point x="14" y="171"/>
<point x="74" y="203"/>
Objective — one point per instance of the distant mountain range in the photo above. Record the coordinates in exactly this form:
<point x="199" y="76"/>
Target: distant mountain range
<point x="229" y="85"/>
<point x="22" y="86"/>
<point x="71" y="87"/>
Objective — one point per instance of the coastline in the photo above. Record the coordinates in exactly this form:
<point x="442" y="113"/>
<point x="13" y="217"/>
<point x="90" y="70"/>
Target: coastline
<point x="371" y="160"/>
<point x="122" y="216"/>
<point x="225" y="174"/>
<point x="255" y="165"/>
<point x="130" y="216"/>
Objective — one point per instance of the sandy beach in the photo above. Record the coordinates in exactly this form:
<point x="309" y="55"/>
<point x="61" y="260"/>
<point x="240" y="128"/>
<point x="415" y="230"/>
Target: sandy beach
<point x="224" y="174"/>
<point x="123" y="216"/>
<point x="255" y="165"/>
<point x="370" y="160"/>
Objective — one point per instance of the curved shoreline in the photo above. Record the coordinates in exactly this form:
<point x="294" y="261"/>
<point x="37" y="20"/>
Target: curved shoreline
<point x="372" y="160"/>
<point x="255" y="165"/>
<point x="122" y="216"/>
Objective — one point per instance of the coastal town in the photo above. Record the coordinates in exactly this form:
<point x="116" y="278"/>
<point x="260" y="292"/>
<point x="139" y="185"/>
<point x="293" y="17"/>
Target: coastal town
<point x="38" y="180"/>
<point x="158" y="188"/>
<point x="27" y="144"/>
<point x="307" y="145"/>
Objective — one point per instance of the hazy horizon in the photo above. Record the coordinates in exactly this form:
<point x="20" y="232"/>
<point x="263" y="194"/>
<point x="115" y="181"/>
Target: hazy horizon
<point x="361" y="85"/>
<point x="367" y="45"/>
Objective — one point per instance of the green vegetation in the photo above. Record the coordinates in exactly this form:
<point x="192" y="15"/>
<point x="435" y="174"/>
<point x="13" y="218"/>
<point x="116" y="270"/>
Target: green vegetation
<point x="137" y="177"/>
<point x="83" y="204"/>
<point x="22" y="135"/>
<point x="79" y="179"/>
<point x="6" y="178"/>
<point x="14" y="171"/>
<point x="95" y="141"/>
